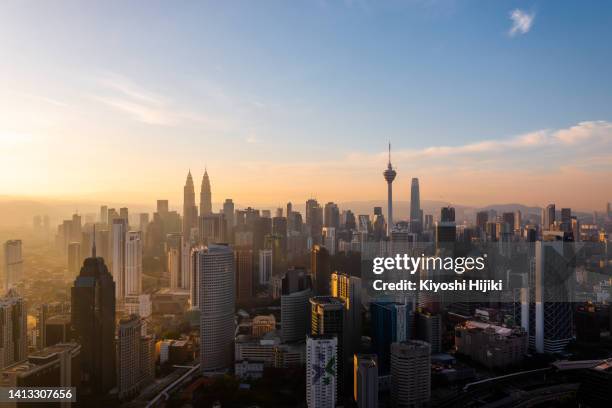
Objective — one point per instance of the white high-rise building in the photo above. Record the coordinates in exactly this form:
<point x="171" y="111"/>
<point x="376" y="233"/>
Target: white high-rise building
<point x="329" y="239"/>
<point x="410" y="373"/>
<point x="133" y="263"/>
<point x="265" y="266"/>
<point x="321" y="371"/>
<point x="13" y="329"/>
<point x="119" y="230"/>
<point x="13" y="263"/>
<point x="215" y="268"/>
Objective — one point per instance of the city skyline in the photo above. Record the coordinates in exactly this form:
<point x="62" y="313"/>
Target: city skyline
<point x="496" y="121"/>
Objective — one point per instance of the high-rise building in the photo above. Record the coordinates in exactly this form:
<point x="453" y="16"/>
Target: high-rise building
<point x="322" y="385"/>
<point x="228" y="211"/>
<point x="119" y="232"/>
<point x="410" y="373"/>
<point x="482" y="217"/>
<point x="212" y="228"/>
<point x="74" y="259"/>
<point x="365" y="380"/>
<point x="104" y="214"/>
<point x="551" y="276"/>
<point x="416" y="214"/>
<point x="429" y="329"/>
<point x="295" y="305"/>
<point x="133" y="263"/>
<point x="329" y="239"/>
<point x="13" y="263"/>
<point x="93" y="323"/>
<point x="328" y="317"/>
<point x="348" y="288"/>
<point x="190" y="211"/>
<point x="320" y="269"/>
<point x="391" y="323"/>
<point x="205" y="195"/>
<point x="265" y="266"/>
<point x="332" y="215"/>
<point x="13" y="329"/>
<point x="548" y="217"/>
<point x="135" y="357"/>
<point x="244" y="273"/>
<point x="389" y="175"/>
<point x="314" y="220"/>
<point x="446" y="229"/>
<point x="217" y="296"/>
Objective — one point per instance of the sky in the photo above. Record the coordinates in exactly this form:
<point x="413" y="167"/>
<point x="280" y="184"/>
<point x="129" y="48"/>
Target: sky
<point x="486" y="102"/>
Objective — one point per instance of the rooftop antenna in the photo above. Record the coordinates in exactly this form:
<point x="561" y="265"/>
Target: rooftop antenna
<point x="93" y="246"/>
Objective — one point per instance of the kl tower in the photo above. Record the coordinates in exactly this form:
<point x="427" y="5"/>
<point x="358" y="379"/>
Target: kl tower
<point x="389" y="175"/>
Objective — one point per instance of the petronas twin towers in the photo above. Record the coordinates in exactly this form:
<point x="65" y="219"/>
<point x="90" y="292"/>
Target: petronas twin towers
<point x="190" y="210"/>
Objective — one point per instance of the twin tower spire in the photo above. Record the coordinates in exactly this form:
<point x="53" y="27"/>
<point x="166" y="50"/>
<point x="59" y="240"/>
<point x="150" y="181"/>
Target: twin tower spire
<point x="190" y="210"/>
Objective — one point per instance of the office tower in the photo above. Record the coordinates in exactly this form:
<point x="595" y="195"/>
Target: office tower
<point x="124" y="214"/>
<point x="548" y="217"/>
<point x="416" y="214"/>
<point x="482" y="217"/>
<point x="279" y="228"/>
<point x="428" y="223"/>
<point x="112" y="214"/>
<point x="328" y="317"/>
<point x="566" y="220"/>
<point x="13" y="263"/>
<point x="320" y="269"/>
<point x="550" y="321"/>
<point x="13" y="329"/>
<point x="228" y="212"/>
<point x="290" y="226"/>
<point x="348" y="288"/>
<point x="332" y="215"/>
<point x="212" y="228"/>
<point x="174" y="259"/>
<point x="314" y="220"/>
<point x="190" y="211"/>
<point x="391" y="323"/>
<point x="348" y="220"/>
<point x="365" y="380"/>
<point x="217" y="296"/>
<point x="429" y="329"/>
<point x="244" y="273"/>
<point x="75" y="228"/>
<point x="329" y="239"/>
<point x="74" y="259"/>
<point x="104" y="214"/>
<point x="266" y="214"/>
<point x="205" y="195"/>
<point x="128" y="356"/>
<point x="162" y="207"/>
<point x="295" y="305"/>
<point x="322" y="383"/>
<point x="86" y="244"/>
<point x="93" y="323"/>
<point x="143" y="222"/>
<point x="133" y="263"/>
<point x="187" y="268"/>
<point x="389" y="175"/>
<point x="119" y="232"/>
<point x="265" y="266"/>
<point x="102" y="239"/>
<point x="446" y="230"/>
<point x="410" y="373"/>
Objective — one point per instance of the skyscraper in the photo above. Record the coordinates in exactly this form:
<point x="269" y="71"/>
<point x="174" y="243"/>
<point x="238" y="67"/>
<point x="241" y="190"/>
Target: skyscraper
<point x="217" y="295"/>
<point x="416" y="214"/>
<point x="328" y="317"/>
<point x="135" y="356"/>
<point x="391" y="323"/>
<point x="93" y="323"/>
<point x="321" y="371"/>
<point x="205" y="195"/>
<point x="320" y="269"/>
<point x="118" y="255"/>
<point x="228" y="211"/>
<point x="133" y="263"/>
<point x="410" y="373"/>
<point x="389" y="175"/>
<point x="190" y="211"/>
<point x="295" y="294"/>
<point x="13" y="329"/>
<point x="348" y="288"/>
<point x="365" y="380"/>
<point x="13" y="263"/>
<point x="548" y="217"/>
<point x="244" y="273"/>
<point x="74" y="259"/>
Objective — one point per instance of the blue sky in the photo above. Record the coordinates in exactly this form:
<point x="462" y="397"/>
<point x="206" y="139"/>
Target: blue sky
<point x="281" y="89"/>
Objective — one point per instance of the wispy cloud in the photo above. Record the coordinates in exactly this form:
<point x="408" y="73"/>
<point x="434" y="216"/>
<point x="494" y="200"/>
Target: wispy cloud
<point x="521" y="22"/>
